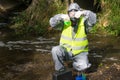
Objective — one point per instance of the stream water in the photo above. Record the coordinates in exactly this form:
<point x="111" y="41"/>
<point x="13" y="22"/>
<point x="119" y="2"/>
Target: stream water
<point x="30" y="59"/>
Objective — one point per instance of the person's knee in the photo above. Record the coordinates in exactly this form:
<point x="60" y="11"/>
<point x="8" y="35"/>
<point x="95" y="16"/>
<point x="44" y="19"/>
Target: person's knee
<point x="55" y="50"/>
<point x="80" y="65"/>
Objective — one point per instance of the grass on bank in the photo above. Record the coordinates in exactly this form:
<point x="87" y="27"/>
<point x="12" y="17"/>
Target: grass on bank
<point x="108" y="19"/>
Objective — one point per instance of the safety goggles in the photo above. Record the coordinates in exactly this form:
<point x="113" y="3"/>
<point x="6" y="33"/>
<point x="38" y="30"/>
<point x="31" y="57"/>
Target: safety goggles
<point x="73" y="10"/>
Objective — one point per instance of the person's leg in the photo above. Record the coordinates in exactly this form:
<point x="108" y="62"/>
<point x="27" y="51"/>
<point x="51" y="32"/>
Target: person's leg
<point x="80" y="62"/>
<point x="58" y="54"/>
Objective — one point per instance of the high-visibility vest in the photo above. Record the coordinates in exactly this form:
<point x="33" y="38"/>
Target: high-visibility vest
<point x="78" y="43"/>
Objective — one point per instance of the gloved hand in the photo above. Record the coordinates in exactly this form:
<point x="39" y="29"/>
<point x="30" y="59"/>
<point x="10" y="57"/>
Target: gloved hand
<point x="55" y="20"/>
<point x="88" y="15"/>
<point x="65" y="17"/>
<point x="78" y="14"/>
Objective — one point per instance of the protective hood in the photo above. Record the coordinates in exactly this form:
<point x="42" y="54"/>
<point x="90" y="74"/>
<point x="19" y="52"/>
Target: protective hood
<point x="74" y="6"/>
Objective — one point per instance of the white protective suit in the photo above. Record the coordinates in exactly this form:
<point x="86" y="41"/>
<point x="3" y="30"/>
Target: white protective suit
<point x="59" y="53"/>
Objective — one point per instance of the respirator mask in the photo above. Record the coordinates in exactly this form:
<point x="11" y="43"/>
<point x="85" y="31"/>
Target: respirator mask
<point x="73" y="19"/>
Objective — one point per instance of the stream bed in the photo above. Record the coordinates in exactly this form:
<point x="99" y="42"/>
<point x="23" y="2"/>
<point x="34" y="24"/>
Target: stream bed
<point x="30" y="59"/>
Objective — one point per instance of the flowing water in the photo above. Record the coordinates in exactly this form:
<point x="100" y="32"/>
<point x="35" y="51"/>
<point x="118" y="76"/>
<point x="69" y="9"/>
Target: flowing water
<point x="30" y="59"/>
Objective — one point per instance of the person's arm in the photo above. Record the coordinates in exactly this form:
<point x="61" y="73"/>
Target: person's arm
<point x="89" y="16"/>
<point x="57" y="21"/>
<point x="90" y="20"/>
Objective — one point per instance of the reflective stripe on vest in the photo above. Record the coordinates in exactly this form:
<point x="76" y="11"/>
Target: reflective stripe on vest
<point x="77" y="44"/>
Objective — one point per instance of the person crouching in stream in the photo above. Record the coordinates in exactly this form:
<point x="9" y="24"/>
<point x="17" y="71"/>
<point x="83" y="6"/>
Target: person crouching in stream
<point x="73" y="43"/>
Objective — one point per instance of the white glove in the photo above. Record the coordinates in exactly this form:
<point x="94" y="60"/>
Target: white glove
<point x="65" y="17"/>
<point x="78" y="14"/>
<point x="88" y="15"/>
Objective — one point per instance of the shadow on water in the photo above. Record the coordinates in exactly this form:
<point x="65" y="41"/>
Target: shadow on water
<point x="13" y="62"/>
<point x="25" y="65"/>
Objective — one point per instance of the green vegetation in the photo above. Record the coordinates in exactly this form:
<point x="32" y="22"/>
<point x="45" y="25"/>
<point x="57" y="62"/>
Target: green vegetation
<point x="114" y="17"/>
<point x="35" y="19"/>
<point x="108" y="18"/>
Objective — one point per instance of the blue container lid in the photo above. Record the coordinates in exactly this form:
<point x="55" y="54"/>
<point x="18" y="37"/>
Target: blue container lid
<point x="80" y="77"/>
